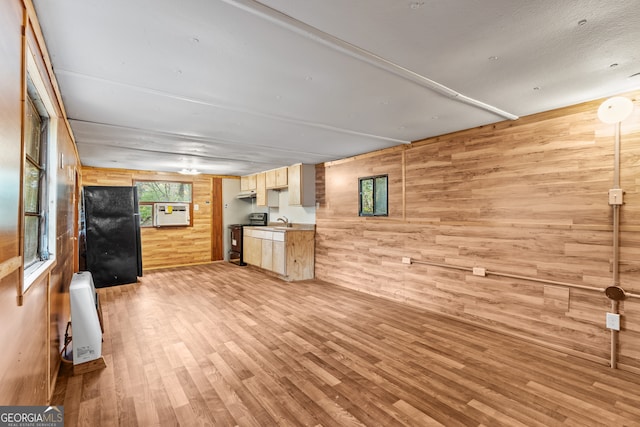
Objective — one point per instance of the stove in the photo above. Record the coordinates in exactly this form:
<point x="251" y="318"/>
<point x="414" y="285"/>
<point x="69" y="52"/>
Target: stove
<point x="235" y="231"/>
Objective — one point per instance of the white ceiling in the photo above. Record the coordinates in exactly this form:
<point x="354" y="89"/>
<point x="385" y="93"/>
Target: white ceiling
<point x="238" y="86"/>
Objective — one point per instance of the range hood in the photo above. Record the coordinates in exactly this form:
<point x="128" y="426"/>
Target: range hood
<point x="246" y="195"/>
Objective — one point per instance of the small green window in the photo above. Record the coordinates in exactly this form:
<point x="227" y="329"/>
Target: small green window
<point x="146" y="215"/>
<point x="373" y="196"/>
<point x="163" y="191"/>
<point x="152" y="192"/>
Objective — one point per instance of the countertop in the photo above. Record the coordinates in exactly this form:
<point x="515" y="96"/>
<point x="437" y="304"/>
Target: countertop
<point x="280" y="227"/>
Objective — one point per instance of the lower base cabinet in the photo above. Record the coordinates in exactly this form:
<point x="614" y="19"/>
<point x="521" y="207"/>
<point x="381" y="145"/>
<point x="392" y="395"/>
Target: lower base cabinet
<point x="267" y="254"/>
<point x="252" y="250"/>
<point x="279" y="262"/>
<point x="290" y="253"/>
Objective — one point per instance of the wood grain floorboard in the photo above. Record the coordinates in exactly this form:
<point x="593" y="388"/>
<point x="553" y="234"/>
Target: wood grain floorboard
<point x="222" y="345"/>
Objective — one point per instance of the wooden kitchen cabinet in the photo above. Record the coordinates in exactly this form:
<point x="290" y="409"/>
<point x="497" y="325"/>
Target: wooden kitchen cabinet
<point x="252" y="249"/>
<point x="302" y="185"/>
<point x="248" y="183"/>
<point x="257" y="247"/>
<point x="282" y="177"/>
<point x="290" y="254"/>
<point x="277" y="179"/>
<point x="299" y="254"/>
<point x="265" y="197"/>
<point x="270" y="178"/>
<point x="267" y="254"/>
<point x="261" y="189"/>
<point x="279" y="257"/>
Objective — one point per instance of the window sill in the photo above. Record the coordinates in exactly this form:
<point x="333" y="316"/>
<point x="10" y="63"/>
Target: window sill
<point x="36" y="271"/>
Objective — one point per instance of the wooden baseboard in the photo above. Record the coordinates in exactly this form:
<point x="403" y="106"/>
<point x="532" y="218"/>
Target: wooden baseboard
<point x="9" y="266"/>
<point x="512" y="334"/>
<point x="163" y="267"/>
<point x="629" y="368"/>
<point x="90" y="366"/>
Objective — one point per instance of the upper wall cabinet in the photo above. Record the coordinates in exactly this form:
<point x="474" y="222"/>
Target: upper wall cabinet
<point x="261" y="189"/>
<point x="265" y="197"/>
<point x="302" y="185"/>
<point x="277" y="178"/>
<point x="248" y="183"/>
<point x="299" y="179"/>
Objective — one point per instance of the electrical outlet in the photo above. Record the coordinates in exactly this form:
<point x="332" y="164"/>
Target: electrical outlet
<point x="406" y="260"/>
<point x="615" y="196"/>
<point x="613" y="321"/>
<point x="479" y="271"/>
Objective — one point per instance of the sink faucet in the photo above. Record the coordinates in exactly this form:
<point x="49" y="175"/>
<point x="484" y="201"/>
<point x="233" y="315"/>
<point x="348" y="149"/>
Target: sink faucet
<point x="284" y="220"/>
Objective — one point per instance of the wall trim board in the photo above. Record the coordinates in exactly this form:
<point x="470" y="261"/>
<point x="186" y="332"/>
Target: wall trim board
<point x="524" y="225"/>
<point x="151" y="175"/>
<point x="9" y="266"/>
<point x="628" y="368"/>
<point x="370" y="154"/>
<point x="164" y="267"/>
<point x="217" y="229"/>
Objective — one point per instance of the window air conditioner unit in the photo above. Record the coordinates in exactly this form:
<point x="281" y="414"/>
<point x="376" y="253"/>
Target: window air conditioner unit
<point x="171" y="214"/>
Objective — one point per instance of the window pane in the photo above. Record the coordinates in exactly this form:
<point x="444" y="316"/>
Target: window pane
<point x="146" y="218"/>
<point x="381" y="196"/>
<point x="31" y="233"/>
<point x="366" y="196"/>
<point x="32" y="132"/>
<point x="31" y="188"/>
<point x="164" y="191"/>
<point x="35" y="199"/>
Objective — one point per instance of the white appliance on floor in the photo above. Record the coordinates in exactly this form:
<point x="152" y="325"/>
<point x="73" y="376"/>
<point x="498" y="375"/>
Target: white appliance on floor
<point x="85" y="320"/>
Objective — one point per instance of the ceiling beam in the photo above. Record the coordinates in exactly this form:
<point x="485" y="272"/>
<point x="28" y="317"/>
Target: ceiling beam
<point x="272" y="15"/>
<point x="234" y="109"/>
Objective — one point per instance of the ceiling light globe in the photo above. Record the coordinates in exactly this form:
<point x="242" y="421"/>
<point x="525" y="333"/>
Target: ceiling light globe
<point x="615" y="109"/>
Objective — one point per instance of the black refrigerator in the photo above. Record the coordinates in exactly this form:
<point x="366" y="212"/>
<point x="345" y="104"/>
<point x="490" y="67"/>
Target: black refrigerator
<point x="111" y="228"/>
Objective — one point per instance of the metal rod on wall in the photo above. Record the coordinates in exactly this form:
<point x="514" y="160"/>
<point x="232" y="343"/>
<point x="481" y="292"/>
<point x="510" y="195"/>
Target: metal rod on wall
<point x="616" y="208"/>
<point x="614" y="111"/>
<point x="616" y="244"/>
<point x="515" y="276"/>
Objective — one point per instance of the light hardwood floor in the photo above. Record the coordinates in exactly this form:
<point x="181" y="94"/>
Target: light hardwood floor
<point x="225" y="345"/>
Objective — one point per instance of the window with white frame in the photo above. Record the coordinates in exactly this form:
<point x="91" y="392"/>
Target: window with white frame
<point x="35" y="179"/>
<point x="38" y="187"/>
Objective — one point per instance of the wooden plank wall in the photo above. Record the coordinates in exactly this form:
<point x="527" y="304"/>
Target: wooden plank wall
<point x="527" y="197"/>
<point x="173" y="246"/>
<point x="32" y="330"/>
<point x="67" y="219"/>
